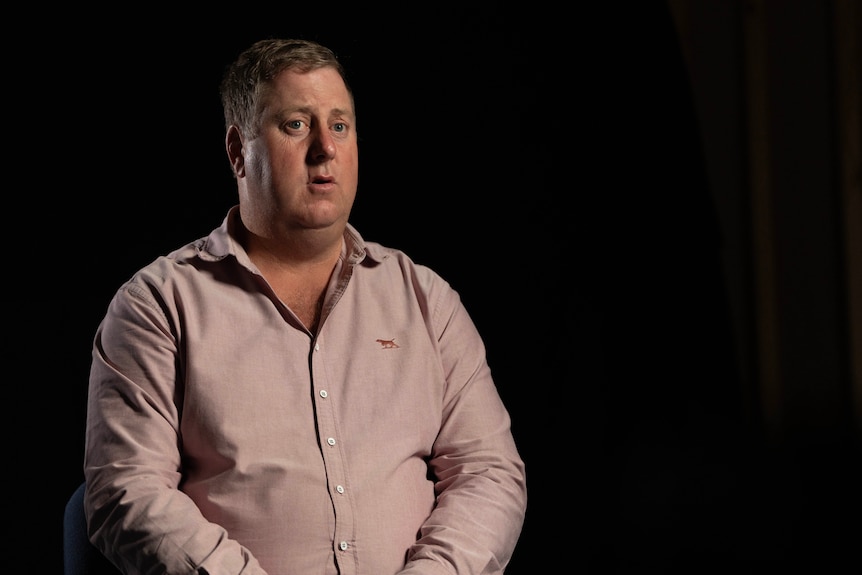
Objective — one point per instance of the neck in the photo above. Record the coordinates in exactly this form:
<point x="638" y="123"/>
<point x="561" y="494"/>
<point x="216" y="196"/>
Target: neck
<point x="300" y="249"/>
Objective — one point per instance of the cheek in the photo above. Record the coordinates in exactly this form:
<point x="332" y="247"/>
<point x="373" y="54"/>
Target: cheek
<point x="257" y="164"/>
<point x="350" y="161"/>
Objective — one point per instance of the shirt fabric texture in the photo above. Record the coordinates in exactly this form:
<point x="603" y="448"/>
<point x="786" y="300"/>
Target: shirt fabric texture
<point x="223" y="437"/>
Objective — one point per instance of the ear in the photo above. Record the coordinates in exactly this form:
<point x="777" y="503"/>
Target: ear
<point x="233" y="146"/>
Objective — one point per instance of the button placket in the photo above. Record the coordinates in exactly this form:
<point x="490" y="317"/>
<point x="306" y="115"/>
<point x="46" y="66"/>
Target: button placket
<point x="332" y="456"/>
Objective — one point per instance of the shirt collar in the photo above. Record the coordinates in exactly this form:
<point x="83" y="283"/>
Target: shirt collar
<point x="220" y="243"/>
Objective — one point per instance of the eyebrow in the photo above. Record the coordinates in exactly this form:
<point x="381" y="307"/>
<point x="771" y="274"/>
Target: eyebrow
<point x="339" y="112"/>
<point x="334" y="113"/>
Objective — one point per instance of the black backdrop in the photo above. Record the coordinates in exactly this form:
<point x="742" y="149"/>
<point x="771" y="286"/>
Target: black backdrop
<point x="545" y="161"/>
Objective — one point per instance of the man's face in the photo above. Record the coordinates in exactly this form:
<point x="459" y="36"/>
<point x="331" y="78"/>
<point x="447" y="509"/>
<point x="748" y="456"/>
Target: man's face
<point x="302" y="168"/>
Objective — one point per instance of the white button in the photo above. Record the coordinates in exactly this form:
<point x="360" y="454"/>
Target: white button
<point x="343" y="545"/>
<point x="323" y="393"/>
<point x="331" y="441"/>
<point x="339" y="488"/>
<point x="316" y="347"/>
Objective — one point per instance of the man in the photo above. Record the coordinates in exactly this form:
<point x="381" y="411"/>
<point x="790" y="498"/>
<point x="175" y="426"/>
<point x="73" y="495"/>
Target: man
<point x="283" y="396"/>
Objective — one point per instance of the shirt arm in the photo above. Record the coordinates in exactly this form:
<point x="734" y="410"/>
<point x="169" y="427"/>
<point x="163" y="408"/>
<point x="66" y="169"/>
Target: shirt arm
<point x="137" y="515"/>
<point x="480" y="476"/>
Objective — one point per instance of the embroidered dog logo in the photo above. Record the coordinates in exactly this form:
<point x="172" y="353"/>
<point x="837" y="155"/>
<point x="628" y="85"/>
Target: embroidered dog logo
<point x="387" y="343"/>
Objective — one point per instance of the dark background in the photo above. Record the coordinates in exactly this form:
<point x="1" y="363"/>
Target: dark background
<point x="550" y="163"/>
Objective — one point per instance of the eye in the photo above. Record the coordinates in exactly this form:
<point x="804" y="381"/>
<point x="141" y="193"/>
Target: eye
<point x="294" y="125"/>
<point x="339" y="127"/>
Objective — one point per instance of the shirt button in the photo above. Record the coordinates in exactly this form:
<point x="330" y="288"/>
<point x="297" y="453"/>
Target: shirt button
<point x="343" y="545"/>
<point x="339" y="488"/>
<point x="331" y="441"/>
<point x="323" y="393"/>
<point x="317" y="347"/>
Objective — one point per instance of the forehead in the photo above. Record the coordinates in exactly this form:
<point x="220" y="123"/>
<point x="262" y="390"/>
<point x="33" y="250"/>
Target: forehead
<point x="322" y="88"/>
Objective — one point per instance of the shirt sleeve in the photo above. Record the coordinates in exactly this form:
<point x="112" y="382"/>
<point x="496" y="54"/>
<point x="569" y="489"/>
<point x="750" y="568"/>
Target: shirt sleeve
<point x="480" y="476"/>
<point x="137" y="516"/>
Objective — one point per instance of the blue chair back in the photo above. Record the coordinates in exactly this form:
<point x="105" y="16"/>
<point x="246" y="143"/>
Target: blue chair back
<point x="80" y="557"/>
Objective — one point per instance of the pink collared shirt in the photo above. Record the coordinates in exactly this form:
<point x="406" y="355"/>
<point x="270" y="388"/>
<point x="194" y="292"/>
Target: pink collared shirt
<point x="223" y="437"/>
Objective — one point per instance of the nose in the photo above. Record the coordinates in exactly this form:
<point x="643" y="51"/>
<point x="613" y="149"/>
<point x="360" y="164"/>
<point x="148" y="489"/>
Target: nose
<point x="323" y="147"/>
